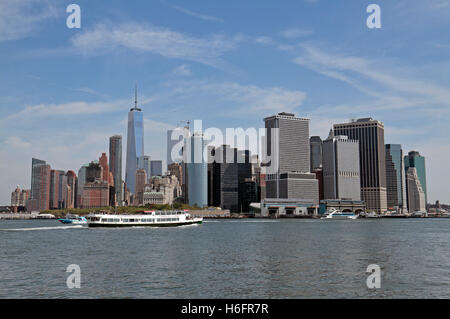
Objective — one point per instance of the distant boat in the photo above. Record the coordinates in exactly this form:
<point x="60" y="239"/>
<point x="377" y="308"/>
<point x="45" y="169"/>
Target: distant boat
<point x="336" y="214"/>
<point x="148" y="219"/>
<point x="73" y="219"/>
<point x="372" y="215"/>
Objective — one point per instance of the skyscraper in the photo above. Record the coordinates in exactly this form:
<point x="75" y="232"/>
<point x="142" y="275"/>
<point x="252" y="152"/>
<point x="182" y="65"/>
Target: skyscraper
<point x="414" y="159"/>
<point x="56" y="189"/>
<point x="103" y="161"/>
<point x="372" y="159"/>
<point x="175" y="139"/>
<point x="141" y="180"/>
<point x="288" y="174"/>
<point x="145" y="163"/>
<point x="80" y="184"/>
<point x="70" y="190"/>
<point x="197" y="170"/>
<point x="135" y="143"/>
<point x="95" y="190"/>
<point x="341" y="178"/>
<point x="316" y="146"/>
<point x="395" y="178"/>
<point x="227" y="174"/>
<point x="289" y="147"/>
<point x="416" y="195"/>
<point x="156" y="167"/>
<point x="115" y="166"/>
<point x="40" y="186"/>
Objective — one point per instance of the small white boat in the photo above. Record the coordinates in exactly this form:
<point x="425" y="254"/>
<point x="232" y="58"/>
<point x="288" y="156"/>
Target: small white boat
<point x="73" y="219"/>
<point x="336" y="214"/>
<point x="372" y="215"/>
<point x="147" y="219"/>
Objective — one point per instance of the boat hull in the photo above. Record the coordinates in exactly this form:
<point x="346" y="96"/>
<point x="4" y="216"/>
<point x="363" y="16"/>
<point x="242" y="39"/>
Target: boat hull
<point x="115" y="225"/>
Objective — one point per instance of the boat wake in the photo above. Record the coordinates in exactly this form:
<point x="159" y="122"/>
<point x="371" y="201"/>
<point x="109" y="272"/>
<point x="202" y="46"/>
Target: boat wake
<point x="43" y="228"/>
<point x="241" y="221"/>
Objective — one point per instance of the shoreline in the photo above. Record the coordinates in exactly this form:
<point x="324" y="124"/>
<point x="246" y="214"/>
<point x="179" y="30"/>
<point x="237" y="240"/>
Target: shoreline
<point x="31" y="217"/>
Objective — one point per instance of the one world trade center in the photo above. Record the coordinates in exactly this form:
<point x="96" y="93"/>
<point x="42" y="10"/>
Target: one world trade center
<point x="135" y="143"/>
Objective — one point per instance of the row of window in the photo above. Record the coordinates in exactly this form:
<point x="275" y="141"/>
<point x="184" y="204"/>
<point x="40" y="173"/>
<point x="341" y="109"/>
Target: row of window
<point x="168" y="213"/>
<point x="139" y="220"/>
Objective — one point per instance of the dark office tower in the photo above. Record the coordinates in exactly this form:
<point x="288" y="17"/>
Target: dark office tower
<point x="316" y="149"/>
<point x="56" y="189"/>
<point x="244" y="174"/>
<point x="414" y="159"/>
<point x="141" y="180"/>
<point x="372" y="159"/>
<point x="227" y="176"/>
<point x="70" y="184"/>
<point x="115" y="166"/>
<point x="40" y="186"/>
<point x="287" y="146"/>
<point x="156" y="168"/>
<point x="135" y="143"/>
<point x="395" y="178"/>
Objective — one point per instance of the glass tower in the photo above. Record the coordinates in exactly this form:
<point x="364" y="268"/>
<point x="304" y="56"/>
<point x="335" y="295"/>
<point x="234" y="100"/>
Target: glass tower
<point x="197" y="171"/>
<point x="115" y="166"/>
<point x="135" y="144"/>
<point x="395" y="177"/>
<point x="414" y="159"/>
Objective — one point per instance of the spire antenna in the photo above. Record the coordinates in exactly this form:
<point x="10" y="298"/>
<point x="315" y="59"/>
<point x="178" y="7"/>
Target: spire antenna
<point x="135" y="97"/>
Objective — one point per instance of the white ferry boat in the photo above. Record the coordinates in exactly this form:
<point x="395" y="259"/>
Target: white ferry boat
<point x="147" y="219"/>
<point x="336" y="214"/>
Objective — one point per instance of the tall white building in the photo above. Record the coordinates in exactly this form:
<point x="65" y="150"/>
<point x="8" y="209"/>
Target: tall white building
<point x="341" y="177"/>
<point x="416" y="195"/>
<point x="288" y="148"/>
<point x="175" y="142"/>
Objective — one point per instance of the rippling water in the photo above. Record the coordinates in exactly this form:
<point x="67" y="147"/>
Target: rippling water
<point x="228" y="259"/>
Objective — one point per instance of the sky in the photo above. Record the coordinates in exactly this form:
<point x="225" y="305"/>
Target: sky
<point x="231" y="63"/>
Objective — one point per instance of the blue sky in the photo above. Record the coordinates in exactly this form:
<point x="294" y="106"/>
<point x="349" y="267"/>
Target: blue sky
<point x="63" y="91"/>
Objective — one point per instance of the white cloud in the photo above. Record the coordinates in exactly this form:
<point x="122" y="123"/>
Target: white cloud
<point x="74" y="108"/>
<point x="20" y="18"/>
<point x="264" y="40"/>
<point x="16" y="142"/>
<point x="374" y="78"/>
<point x="234" y="99"/>
<point x="105" y="39"/>
<point x="197" y="15"/>
<point x="182" y="70"/>
<point x="294" y="33"/>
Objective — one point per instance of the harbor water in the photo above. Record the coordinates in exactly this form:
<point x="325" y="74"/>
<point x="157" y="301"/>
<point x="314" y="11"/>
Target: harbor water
<point x="251" y="258"/>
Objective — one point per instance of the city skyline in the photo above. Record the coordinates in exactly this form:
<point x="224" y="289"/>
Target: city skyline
<point x="66" y="120"/>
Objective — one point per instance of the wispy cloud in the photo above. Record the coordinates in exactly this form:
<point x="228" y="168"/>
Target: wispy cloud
<point x="294" y="33"/>
<point x="16" y="142"/>
<point x="233" y="99"/>
<point x="20" y="18"/>
<point x="372" y="77"/>
<point x="196" y="15"/>
<point x="182" y="70"/>
<point x="73" y="108"/>
<point x="103" y="39"/>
